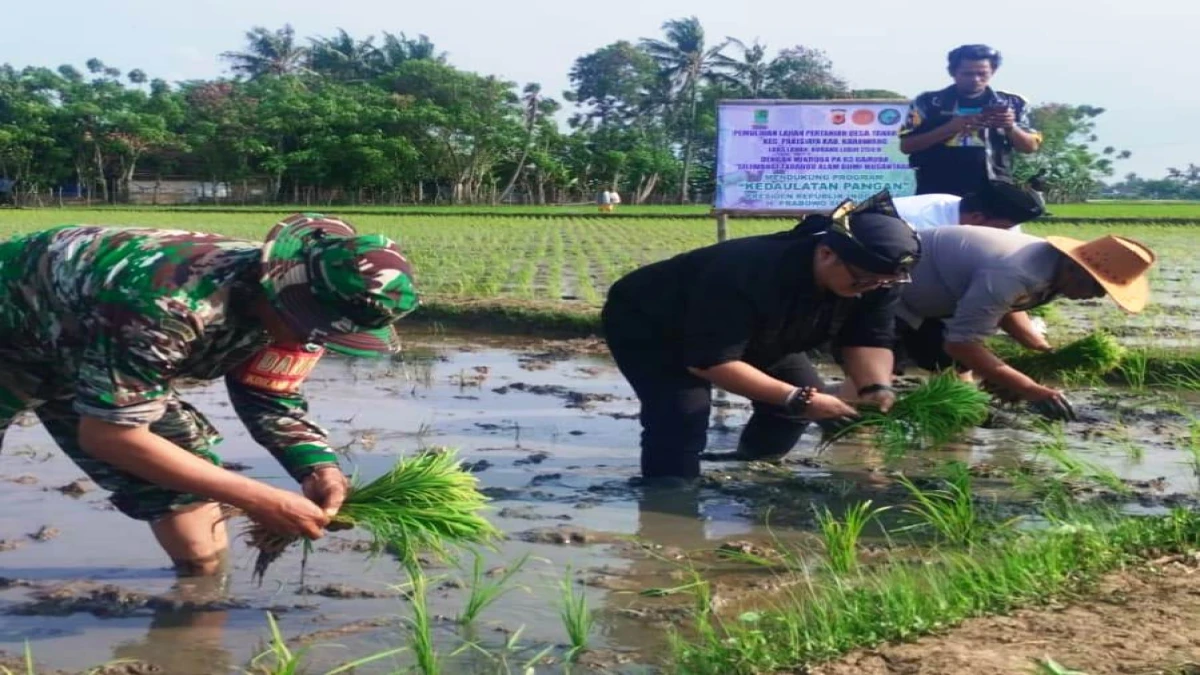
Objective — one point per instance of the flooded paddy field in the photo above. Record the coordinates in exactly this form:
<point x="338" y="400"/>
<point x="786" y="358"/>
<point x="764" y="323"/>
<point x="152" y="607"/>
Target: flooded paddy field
<point x="550" y="430"/>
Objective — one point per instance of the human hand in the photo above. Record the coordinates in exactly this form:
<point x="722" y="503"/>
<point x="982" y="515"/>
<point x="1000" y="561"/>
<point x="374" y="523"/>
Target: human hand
<point x="327" y="486"/>
<point x="827" y="407"/>
<point x="286" y="512"/>
<point x="1003" y="118"/>
<point x="1050" y="403"/>
<point x="961" y="123"/>
<point x="883" y="398"/>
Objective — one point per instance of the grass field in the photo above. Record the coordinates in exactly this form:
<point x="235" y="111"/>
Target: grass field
<point x="1103" y="210"/>
<point x="552" y="271"/>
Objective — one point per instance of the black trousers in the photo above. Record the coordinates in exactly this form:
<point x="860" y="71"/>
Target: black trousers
<point x="675" y="407"/>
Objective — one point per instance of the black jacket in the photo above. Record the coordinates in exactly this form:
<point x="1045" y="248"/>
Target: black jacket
<point x="752" y="299"/>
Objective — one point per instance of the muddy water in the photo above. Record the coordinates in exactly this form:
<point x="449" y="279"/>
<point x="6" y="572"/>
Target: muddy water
<point x="552" y="434"/>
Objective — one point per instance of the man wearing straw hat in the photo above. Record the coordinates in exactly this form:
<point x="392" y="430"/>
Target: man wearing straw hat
<point x="970" y="279"/>
<point x="99" y="325"/>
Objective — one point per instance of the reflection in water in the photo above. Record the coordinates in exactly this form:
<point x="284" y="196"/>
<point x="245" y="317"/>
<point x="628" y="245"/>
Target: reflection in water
<point x="186" y="641"/>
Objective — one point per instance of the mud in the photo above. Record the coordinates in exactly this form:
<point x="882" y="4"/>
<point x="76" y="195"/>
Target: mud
<point x="557" y="454"/>
<point x="1141" y="621"/>
<point x="574" y="399"/>
<point x="77" y="488"/>
<point x="108" y="600"/>
<point x="344" y="592"/>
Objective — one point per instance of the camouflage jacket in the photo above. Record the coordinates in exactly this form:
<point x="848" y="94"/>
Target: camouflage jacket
<point x="113" y="318"/>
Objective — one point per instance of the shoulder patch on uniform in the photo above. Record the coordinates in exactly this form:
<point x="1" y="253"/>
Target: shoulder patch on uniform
<point x="279" y="369"/>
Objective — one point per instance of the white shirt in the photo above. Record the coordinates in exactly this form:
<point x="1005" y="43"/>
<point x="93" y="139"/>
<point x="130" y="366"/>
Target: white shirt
<point x="925" y="212"/>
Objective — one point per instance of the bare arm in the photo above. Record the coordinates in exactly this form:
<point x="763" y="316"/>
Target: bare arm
<point x="990" y="367"/>
<point x="153" y="458"/>
<point x="1020" y="327"/>
<point x="868" y="365"/>
<point x="743" y="379"/>
<point x="1024" y="141"/>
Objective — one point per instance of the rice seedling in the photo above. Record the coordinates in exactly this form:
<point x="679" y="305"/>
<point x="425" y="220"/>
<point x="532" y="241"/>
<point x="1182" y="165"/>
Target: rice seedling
<point x="420" y="638"/>
<point x="931" y="415"/>
<point x="952" y="511"/>
<point x="1086" y="358"/>
<point x="279" y="659"/>
<point x="1071" y="465"/>
<point x="841" y="536"/>
<point x="483" y="591"/>
<point x="576" y="616"/>
<point x="813" y="623"/>
<point x="1049" y="666"/>
<point x="426" y="502"/>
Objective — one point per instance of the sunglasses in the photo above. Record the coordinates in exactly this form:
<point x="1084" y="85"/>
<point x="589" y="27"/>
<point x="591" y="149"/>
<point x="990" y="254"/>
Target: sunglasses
<point x="861" y="279"/>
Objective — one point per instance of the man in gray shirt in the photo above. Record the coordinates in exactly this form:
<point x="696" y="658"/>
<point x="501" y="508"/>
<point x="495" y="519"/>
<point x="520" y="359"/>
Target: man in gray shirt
<point x="971" y="280"/>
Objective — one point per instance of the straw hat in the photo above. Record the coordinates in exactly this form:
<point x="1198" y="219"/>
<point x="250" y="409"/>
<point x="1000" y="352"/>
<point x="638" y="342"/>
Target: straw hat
<point x="1116" y="263"/>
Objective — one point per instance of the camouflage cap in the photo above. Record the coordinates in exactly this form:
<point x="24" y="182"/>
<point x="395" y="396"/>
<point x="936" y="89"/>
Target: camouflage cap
<point x="336" y="287"/>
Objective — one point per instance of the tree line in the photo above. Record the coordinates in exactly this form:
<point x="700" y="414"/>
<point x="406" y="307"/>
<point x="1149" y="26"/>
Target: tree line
<point x="359" y="120"/>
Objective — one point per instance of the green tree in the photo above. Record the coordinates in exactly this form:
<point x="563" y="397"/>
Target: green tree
<point x="687" y="62"/>
<point x="342" y="57"/>
<point x="269" y="53"/>
<point x="1068" y="161"/>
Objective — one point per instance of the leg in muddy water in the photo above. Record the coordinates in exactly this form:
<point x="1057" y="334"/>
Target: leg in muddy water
<point x="770" y="432"/>
<point x="182" y="640"/>
<point x="674" y="414"/>
<point x="195" y="539"/>
<point x="187" y="526"/>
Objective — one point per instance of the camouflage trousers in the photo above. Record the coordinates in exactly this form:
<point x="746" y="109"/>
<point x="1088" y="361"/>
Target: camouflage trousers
<point x="182" y="424"/>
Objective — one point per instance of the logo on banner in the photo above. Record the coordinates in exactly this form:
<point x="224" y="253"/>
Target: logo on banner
<point x="837" y="116"/>
<point x="889" y="116"/>
<point x="761" y="116"/>
<point x="862" y="116"/>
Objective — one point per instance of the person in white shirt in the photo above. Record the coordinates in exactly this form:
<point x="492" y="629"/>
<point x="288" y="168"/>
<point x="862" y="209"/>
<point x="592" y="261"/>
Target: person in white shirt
<point x="1001" y="204"/>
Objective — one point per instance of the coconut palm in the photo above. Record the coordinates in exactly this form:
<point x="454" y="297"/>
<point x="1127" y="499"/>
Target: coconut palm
<point x="398" y="49"/>
<point x="269" y="53"/>
<point x="751" y="72"/>
<point x="684" y="58"/>
<point x="342" y="57"/>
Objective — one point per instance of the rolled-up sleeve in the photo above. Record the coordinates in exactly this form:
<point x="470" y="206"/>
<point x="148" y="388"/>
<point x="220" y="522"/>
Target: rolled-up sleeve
<point x="265" y="394"/>
<point x="872" y="321"/>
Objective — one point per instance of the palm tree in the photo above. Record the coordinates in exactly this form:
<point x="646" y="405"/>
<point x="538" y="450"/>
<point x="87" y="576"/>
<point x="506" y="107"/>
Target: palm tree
<point x="342" y="57"/>
<point x="269" y="53"/>
<point x="536" y="107"/>
<point x="683" y="58"/>
<point x="396" y="50"/>
<point x="751" y="71"/>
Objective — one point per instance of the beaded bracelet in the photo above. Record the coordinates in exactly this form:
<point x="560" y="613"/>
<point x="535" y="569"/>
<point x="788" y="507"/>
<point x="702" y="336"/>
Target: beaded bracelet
<point x="872" y="388"/>
<point x="799" y="399"/>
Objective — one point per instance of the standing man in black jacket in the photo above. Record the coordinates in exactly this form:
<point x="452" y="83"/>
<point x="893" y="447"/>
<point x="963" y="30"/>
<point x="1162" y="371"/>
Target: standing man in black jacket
<point x="961" y="137"/>
<point x="742" y="313"/>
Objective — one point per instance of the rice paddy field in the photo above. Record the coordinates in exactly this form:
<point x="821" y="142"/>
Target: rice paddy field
<point x="1012" y="545"/>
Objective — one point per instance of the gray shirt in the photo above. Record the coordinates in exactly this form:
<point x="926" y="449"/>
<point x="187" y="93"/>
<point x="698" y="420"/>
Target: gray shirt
<point x="972" y="276"/>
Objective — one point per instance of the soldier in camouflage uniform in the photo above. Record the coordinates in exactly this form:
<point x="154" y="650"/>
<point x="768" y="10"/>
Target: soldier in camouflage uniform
<point x="98" y="325"/>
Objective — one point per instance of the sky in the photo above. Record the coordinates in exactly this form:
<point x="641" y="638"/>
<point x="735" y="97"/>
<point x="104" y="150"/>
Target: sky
<point x="1135" y="58"/>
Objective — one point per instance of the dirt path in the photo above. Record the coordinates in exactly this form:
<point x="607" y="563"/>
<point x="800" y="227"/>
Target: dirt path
<point x="1135" y="623"/>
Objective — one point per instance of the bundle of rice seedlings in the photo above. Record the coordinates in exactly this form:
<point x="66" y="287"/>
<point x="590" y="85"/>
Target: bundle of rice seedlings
<point x="426" y="502"/>
<point x="931" y="415"/>
<point x="1088" y="357"/>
